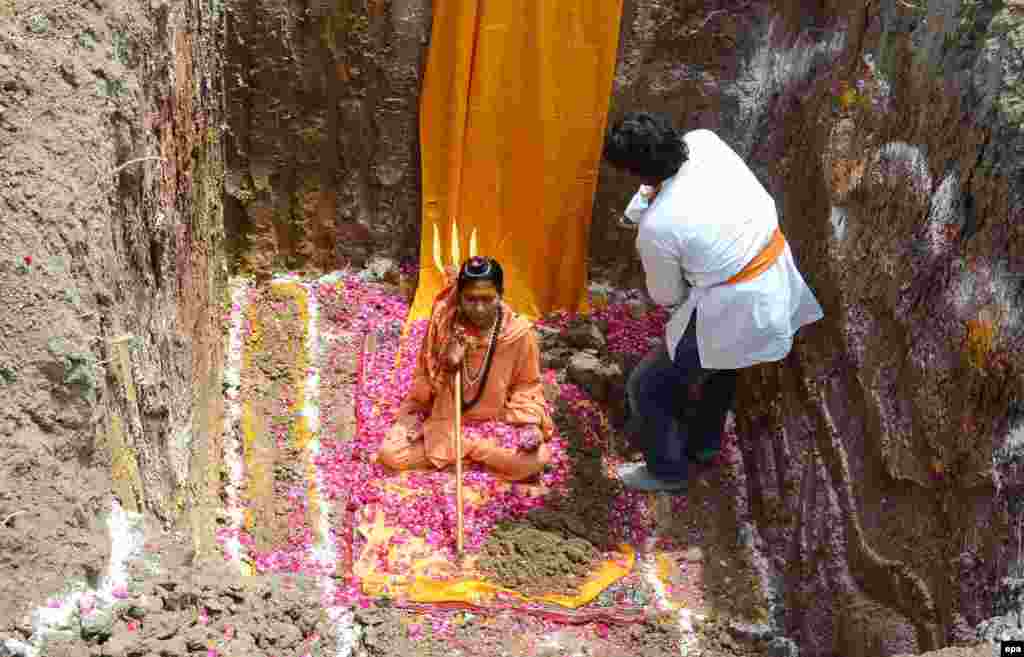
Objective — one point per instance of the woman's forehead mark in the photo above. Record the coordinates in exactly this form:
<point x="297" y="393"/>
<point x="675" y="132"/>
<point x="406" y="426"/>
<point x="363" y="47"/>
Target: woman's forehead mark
<point x="484" y="298"/>
<point x="480" y="289"/>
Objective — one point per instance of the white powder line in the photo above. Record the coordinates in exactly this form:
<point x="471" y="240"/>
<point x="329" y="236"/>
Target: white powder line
<point x="126" y="537"/>
<point x="232" y="416"/>
<point x="649" y="570"/>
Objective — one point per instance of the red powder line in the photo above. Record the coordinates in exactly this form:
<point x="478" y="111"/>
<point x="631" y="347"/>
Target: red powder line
<point x="566" y="617"/>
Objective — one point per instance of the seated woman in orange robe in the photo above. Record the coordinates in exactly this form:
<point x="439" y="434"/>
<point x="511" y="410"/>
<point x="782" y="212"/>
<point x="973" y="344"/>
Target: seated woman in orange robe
<point x="471" y="327"/>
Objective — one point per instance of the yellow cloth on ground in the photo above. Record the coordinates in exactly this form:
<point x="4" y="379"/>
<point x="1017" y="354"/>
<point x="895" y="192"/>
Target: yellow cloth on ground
<point x="410" y="567"/>
<point x="512" y="119"/>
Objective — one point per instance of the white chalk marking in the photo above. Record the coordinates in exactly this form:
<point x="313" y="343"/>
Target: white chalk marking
<point x="232" y="416"/>
<point x="126" y="537"/>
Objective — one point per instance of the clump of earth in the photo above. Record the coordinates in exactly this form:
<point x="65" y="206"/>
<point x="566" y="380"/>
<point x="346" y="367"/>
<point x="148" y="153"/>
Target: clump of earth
<point x="535" y="562"/>
<point x="557" y="546"/>
<point x="583" y="510"/>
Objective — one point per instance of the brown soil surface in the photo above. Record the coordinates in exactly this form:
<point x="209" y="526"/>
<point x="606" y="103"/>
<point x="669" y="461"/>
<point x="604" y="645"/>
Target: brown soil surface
<point x="193" y="608"/>
<point x="583" y="510"/>
<point x="56" y="142"/>
<point x="536" y="562"/>
<point x="706" y="520"/>
<point x="338" y="376"/>
<point x="715" y="640"/>
<point x="50" y="523"/>
<point x="265" y="380"/>
<point x="251" y="616"/>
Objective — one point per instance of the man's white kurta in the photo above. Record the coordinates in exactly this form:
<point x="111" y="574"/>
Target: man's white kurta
<point x="707" y="223"/>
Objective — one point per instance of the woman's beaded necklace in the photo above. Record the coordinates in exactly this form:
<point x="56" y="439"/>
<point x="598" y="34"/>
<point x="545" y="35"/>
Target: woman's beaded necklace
<point x="469" y="381"/>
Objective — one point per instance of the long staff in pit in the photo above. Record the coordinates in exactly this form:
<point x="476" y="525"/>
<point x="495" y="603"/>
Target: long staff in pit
<point x="457" y="433"/>
<point x="459" y="497"/>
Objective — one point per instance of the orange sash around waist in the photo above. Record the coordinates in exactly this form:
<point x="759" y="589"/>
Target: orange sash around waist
<point x="763" y="260"/>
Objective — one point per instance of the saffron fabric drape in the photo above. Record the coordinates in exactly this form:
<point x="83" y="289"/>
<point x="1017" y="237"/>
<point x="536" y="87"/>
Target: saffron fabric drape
<point x="512" y="120"/>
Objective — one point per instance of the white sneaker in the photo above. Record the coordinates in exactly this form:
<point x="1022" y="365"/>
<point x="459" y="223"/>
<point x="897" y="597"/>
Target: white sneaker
<point x="638" y="477"/>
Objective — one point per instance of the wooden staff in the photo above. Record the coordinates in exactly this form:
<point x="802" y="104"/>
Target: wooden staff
<point x="458" y="459"/>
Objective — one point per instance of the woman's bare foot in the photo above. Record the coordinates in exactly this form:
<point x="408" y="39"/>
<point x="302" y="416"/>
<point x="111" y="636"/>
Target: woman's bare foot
<point x="544" y="454"/>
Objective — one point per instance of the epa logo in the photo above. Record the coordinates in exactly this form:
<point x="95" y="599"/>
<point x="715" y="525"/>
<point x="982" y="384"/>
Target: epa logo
<point x="1011" y="648"/>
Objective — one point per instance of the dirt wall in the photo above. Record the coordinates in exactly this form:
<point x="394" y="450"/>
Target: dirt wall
<point x="322" y="100"/>
<point x="111" y="277"/>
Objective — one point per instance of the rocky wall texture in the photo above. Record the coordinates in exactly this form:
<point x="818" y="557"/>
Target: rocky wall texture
<point x="111" y="277"/>
<point x="322" y="106"/>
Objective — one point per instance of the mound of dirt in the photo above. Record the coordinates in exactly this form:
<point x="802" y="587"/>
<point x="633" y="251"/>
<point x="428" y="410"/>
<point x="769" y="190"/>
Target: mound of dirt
<point x="556" y="546"/>
<point x="583" y="510"/>
<point x="535" y="562"/>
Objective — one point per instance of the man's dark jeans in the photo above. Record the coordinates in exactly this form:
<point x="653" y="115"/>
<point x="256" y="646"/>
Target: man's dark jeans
<point x="664" y="422"/>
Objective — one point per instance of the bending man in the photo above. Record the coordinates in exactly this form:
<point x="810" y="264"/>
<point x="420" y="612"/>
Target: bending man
<point x="711" y="248"/>
<point x="472" y="328"/>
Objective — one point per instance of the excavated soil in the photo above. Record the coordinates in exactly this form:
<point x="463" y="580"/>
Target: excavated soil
<point x="50" y="528"/>
<point x="177" y="607"/>
<point x="54" y="184"/>
<point x="707" y="520"/>
<point x="582" y="511"/>
<point x="536" y="562"/>
<point x="227" y="613"/>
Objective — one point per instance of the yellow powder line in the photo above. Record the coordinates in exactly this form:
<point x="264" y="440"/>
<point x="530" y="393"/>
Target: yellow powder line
<point x="253" y="344"/>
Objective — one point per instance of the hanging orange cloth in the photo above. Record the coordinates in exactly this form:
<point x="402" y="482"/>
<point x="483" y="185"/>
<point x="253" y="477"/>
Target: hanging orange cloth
<point x="512" y="119"/>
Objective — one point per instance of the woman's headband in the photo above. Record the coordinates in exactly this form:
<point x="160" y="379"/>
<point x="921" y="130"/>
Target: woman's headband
<point x="477" y="267"/>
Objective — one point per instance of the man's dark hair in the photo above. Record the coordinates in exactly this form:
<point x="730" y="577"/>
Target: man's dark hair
<point x="646" y="145"/>
<point x="480" y="268"/>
